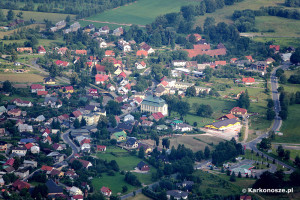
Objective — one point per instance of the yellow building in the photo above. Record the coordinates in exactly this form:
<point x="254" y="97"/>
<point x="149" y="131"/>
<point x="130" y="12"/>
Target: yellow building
<point x="154" y="104"/>
<point x="224" y="124"/>
<point x="49" y="81"/>
<point x="119" y="136"/>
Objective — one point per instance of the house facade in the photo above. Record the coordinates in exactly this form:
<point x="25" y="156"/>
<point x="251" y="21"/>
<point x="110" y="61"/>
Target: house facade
<point x="154" y="104"/>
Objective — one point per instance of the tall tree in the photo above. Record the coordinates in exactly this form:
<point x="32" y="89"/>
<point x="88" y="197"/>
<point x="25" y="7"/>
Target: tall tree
<point x="10" y="15"/>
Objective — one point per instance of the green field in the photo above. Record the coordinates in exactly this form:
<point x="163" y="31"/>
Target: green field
<point x="99" y="25"/>
<point x="40" y="16"/>
<point x="285" y="42"/>
<point x="141" y="12"/>
<point x="126" y="162"/>
<point x="290" y="127"/>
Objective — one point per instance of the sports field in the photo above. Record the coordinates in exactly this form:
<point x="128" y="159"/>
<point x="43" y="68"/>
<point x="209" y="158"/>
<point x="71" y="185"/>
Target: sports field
<point x="141" y="12"/>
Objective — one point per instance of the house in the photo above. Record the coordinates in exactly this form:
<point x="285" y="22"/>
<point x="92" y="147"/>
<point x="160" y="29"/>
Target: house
<point x="119" y="136"/>
<point x="248" y="81"/>
<point x="131" y="143"/>
<point x="275" y="47"/>
<point x="147" y="123"/>
<point x="40" y="118"/>
<point x="24" y="49"/>
<point x="125" y="127"/>
<point x="36" y="87"/>
<point x="85" y="164"/>
<point x="154" y="104"/>
<point x="67" y="89"/>
<point x="128" y="117"/>
<point x="142" y="54"/>
<point x="9" y="162"/>
<point x="19" y="185"/>
<point x="25" y="128"/>
<point x="147" y="48"/>
<point x="228" y="116"/>
<point x="22" y="173"/>
<point x="156" y="116"/>
<point x="109" y="53"/>
<point x="57" y="173"/>
<point x="14" y="112"/>
<point x="187" y="185"/>
<point x="22" y="103"/>
<point x="41" y="50"/>
<point x="62" y="63"/>
<point x="77" y="197"/>
<point x="46" y="169"/>
<point x="118" y="31"/>
<point x="102" y="43"/>
<point x="53" y="188"/>
<point x="179" y="63"/>
<point x="81" y="52"/>
<point x="183" y="127"/>
<point x="147" y="148"/>
<point x="35" y="149"/>
<point x="223" y="125"/>
<point x="106" y="191"/>
<point x="143" y="166"/>
<point x="3" y="146"/>
<point x="49" y="81"/>
<point x="101" y="148"/>
<point x="204" y="49"/>
<point x="160" y="90"/>
<point x="56" y="156"/>
<point x="62" y="50"/>
<point x="100" y="69"/>
<point x="249" y="58"/>
<point x="177" y="194"/>
<point x="140" y="65"/>
<point x="220" y="62"/>
<point x="57" y="147"/>
<point x="30" y="163"/>
<point x="77" y="114"/>
<point x="75" y="191"/>
<point x="100" y="78"/>
<point x="238" y="111"/>
<point x="124" y="46"/>
<point x="104" y="30"/>
<point x="122" y="75"/>
<point x="8" y="169"/>
<point x="2" y="110"/>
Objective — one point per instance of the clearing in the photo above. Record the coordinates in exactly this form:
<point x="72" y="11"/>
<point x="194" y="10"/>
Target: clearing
<point x="22" y="78"/>
<point x="141" y="12"/>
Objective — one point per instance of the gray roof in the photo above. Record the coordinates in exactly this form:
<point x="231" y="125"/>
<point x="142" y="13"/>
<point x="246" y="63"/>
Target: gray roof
<point x="224" y="122"/>
<point x="153" y="101"/>
<point x="177" y="194"/>
<point x="160" y="89"/>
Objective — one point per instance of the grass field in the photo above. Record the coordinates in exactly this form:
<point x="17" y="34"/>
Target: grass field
<point x="290" y="127"/>
<point x="99" y="25"/>
<point x="285" y="42"/>
<point x="22" y="78"/>
<point x="141" y="12"/>
<point x="40" y="16"/>
<point x="139" y="197"/>
<point x="10" y="32"/>
<point x="126" y="162"/>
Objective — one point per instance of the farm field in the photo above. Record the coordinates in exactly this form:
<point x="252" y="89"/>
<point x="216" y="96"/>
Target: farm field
<point x="99" y="25"/>
<point x="139" y="197"/>
<point x="290" y="127"/>
<point x="22" y="78"/>
<point x="141" y="12"/>
<point x="10" y="32"/>
<point x="40" y="16"/>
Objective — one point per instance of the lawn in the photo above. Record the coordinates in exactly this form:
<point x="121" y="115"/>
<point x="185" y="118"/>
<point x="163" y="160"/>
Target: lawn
<point x="141" y="12"/>
<point x="282" y="41"/>
<point x="126" y="162"/>
<point x="290" y="127"/>
<point x="10" y="32"/>
<point x="139" y="197"/>
<point x="40" y="16"/>
<point x="99" y="25"/>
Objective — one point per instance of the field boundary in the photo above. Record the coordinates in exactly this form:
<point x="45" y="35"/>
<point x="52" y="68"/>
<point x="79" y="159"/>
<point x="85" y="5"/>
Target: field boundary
<point x="105" y="22"/>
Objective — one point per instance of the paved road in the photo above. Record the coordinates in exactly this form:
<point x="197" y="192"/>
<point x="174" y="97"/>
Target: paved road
<point x="66" y="139"/>
<point x="277" y="122"/>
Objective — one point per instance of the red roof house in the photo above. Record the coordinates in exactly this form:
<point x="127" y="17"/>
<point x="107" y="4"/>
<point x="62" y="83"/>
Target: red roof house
<point x="238" y="111"/>
<point x="157" y="116"/>
<point x="28" y="145"/>
<point x="220" y="62"/>
<point x="275" y="47"/>
<point x="81" y="52"/>
<point x="42" y="93"/>
<point x="76" y="113"/>
<point x="122" y="74"/>
<point x="249" y="58"/>
<point x="248" y="80"/>
<point x="105" y="191"/>
<point x="19" y="185"/>
<point x="10" y="162"/>
<point x="41" y="50"/>
<point x="101" y="148"/>
<point x="46" y="168"/>
<point x="101" y="78"/>
<point x="62" y="63"/>
<point x="109" y="53"/>
<point x="100" y="69"/>
<point x="141" y="53"/>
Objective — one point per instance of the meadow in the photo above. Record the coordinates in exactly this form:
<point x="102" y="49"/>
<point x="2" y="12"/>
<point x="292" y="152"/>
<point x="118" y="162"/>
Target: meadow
<point x="141" y="12"/>
<point x="22" y="78"/>
<point x="126" y="162"/>
<point x="40" y="16"/>
<point x="290" y="127"/>
<point x="84" y="23"/>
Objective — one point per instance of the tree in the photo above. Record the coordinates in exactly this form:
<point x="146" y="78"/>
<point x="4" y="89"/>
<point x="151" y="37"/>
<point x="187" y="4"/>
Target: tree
<point x="182" y="108"/>
<point x="283" y="114"/>
<point x="112" y="107"/>
<point x="165" y="143"/>
<point x="297" y="161"/>
<point x="283" y="79"/>
<point x="280" y="151"/>
<point x="82" y="122"/>
<point x="287" y="155"/>
<point x="191" y="91"/>
<point x="270" y="103"/>
<point x="295" y="57"/>
<point x="141" y="152"/>
<point x="239" y="175"/>
<point x="270" y="114"/>
<point x="124" y="189"/>
<point x="206" y="152"/>
<point x="10" y="15"/>
<point x="2" y="17"/>
<point x="76" y="164"/>
<point x="265" y="144"/>
<point x="244" y="100"/>
<point x="76" y="123"/>
<point x="204" y="110"/>
<point x="7" y="87"/>
<point x="232" y="177"/>
<point x="68" y="18"/>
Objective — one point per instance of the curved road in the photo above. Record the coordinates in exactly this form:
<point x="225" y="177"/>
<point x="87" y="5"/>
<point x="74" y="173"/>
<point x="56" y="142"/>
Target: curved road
<point x="277" y="122"/>
<point x="66" y="139"/>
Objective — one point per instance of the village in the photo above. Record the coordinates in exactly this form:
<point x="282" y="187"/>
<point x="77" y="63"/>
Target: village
<point x="72" y="130"/>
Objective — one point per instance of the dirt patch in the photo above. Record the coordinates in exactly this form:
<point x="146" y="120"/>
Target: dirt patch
<point x="22" y="78"/>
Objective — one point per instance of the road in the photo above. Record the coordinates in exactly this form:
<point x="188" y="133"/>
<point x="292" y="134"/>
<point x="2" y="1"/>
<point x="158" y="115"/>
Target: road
<point x="277" y="121"/>
<point x="66" y="139"/>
